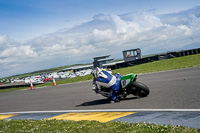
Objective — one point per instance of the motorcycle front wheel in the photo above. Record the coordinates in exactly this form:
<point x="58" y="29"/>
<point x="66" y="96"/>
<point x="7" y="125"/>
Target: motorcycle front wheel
<point x="139" y="89"/>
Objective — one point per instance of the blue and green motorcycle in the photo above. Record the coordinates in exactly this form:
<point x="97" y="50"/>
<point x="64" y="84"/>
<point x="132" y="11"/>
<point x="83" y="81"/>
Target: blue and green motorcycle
<point x="128" y="85"/>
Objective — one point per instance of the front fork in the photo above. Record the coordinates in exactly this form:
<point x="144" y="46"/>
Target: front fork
<point x="124" y="93"/>
<point x="95" y="87"/>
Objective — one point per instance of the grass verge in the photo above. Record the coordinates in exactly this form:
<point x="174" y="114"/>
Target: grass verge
<point x="12" y="89"/>
<point x="162" y="65"/>
<point x="63" y="126"/>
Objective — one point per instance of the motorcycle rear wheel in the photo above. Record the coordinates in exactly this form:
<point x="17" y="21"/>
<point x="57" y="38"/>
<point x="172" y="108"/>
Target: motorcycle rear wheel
<point x="139" y="89"/>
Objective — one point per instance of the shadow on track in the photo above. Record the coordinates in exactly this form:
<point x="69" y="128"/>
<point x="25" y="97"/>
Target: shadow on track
<point x="103" y="101"/>
<point x="95" y="102"/>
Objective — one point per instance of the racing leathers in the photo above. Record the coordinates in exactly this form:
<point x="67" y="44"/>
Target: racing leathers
<point x="106" y="79"/>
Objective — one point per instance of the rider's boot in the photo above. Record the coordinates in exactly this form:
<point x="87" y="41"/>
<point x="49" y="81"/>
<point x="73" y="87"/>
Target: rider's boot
<point x="114" y="101"/>
<point x="113" y="96"/>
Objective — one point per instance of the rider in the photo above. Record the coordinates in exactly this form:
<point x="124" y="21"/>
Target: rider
<point x="105" y="79"/>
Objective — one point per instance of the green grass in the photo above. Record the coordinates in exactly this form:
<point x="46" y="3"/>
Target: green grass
<point x="67" y="81"/>
<point x="12" y="89"/>
<point x="58" y="82"/>
<point x="163" y="65"/>
<point x="63" y="126"/>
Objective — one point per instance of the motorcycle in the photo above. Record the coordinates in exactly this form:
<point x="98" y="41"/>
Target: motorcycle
<point x="128" y="85"/>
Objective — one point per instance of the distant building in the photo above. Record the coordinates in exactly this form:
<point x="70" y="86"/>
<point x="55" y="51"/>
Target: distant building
<point x="132" y="54"/>
<point x="78" y="68"/>
<point x="100" y="60"/>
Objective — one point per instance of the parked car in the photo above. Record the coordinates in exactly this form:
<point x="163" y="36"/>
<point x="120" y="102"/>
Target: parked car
<point x="47" y="79"/>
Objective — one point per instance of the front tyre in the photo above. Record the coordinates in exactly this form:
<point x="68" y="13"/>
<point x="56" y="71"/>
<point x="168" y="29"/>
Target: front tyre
<point x="139" y="89"/>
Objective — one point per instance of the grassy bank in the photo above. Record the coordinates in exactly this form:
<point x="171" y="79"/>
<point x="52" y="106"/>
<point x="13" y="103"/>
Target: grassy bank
<point x="163" y="65"/>
<point x="12" y="89"/>
<point x="63" y="126"/>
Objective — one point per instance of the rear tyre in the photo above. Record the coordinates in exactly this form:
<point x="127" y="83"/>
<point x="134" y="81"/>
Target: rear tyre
<point x="139" y="89"/>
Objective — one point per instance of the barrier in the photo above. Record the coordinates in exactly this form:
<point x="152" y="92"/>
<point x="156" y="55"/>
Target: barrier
<point x="156" y="58"/>
<point x="14" y="85"/>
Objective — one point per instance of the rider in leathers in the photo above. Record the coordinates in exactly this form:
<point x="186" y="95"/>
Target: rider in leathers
<point x="105" y="79"/>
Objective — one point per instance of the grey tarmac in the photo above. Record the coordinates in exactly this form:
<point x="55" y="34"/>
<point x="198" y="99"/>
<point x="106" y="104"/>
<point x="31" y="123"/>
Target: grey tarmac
<point x="176" y="89"/>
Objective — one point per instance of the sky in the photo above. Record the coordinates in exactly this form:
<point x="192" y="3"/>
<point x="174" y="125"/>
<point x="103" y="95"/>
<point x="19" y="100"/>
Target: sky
<point x="40" y="34"/>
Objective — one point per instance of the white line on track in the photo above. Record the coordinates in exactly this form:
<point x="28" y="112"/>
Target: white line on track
<point x="107" y="110"/>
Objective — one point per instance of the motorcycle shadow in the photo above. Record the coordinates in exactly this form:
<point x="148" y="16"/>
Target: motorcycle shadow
<point x="95" y="102"/>
<point x="104" y="101"/>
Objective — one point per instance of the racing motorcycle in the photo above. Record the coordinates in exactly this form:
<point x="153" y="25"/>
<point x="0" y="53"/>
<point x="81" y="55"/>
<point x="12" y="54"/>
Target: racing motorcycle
<point x="128" y="85"/>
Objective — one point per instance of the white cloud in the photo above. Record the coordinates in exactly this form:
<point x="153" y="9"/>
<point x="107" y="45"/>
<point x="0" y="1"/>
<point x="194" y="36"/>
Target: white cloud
<point x="186" y="30"/>
<point x="105" y="34"/>
<point x="6" y="42"/>
<point x="102" y="35"/>
<point x="21" y="51"/>
<point x="194" y="23"/>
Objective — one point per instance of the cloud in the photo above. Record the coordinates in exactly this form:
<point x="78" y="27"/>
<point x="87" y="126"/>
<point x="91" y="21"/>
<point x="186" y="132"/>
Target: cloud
<point x="20" y="51"/>
<point x="105" y="34"/>
<point x="6" y="42"/>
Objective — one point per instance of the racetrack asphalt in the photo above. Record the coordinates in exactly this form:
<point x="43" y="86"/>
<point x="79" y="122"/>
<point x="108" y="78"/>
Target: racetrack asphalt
<point x="176" y="89"/>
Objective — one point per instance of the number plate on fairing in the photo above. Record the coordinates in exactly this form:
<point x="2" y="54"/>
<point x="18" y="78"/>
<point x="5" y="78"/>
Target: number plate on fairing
<point x="124" y="83"/>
